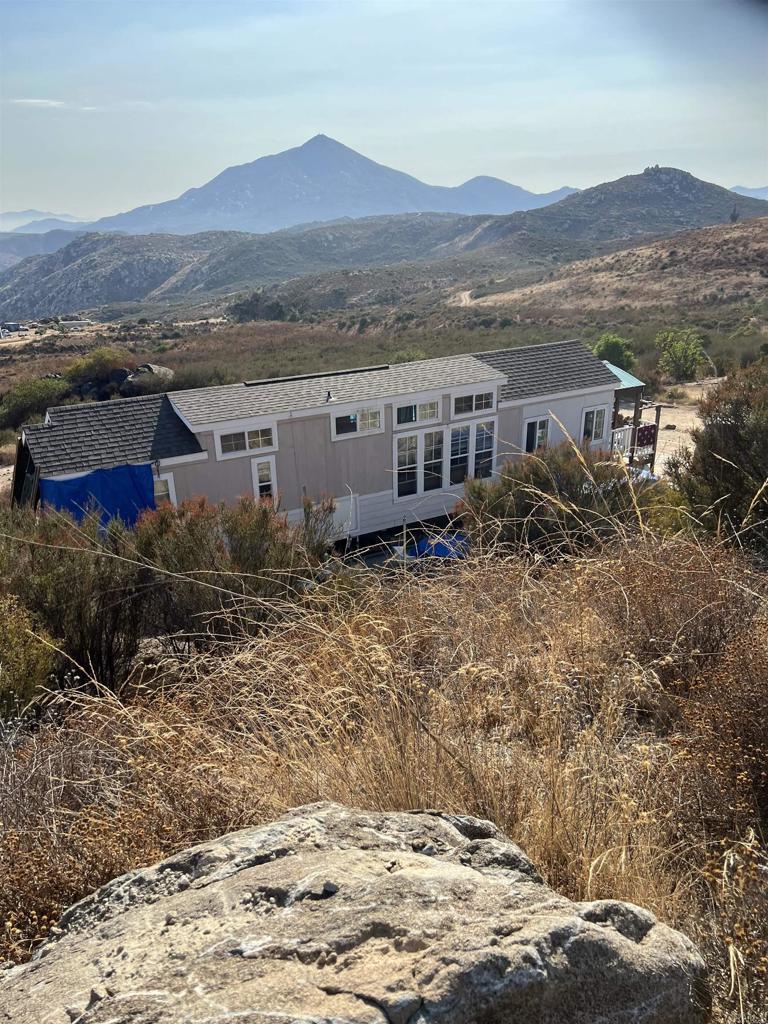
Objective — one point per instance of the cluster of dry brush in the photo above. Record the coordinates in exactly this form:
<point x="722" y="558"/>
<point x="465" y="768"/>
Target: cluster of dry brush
<point x="607" y="710"/>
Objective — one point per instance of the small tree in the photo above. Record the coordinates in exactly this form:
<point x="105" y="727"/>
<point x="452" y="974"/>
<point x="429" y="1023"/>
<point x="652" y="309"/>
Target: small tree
<point x="615" y="349"/>
<point x="681" y="352"/>
<point x="724" y="477"/>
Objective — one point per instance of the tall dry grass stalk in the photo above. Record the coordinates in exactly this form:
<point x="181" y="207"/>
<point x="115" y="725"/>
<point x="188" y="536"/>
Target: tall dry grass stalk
<point x="607" y="711"/>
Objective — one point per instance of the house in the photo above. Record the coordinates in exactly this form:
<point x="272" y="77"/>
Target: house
<point x="392" y="444"/>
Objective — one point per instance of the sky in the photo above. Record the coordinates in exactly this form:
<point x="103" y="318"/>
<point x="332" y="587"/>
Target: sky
<point x="110" y="104"/>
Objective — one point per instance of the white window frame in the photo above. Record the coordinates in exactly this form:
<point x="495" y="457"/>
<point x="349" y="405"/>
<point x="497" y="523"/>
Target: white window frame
<point x="243" y="427"/>
<point x="593" y="441"/>
<point x="526" y="423"/>
<point x="447" y="487"/>
<point x="168" y="477"/>
<point x="417" y="400"/>
<point x="355" y="410"/>
<point x="477" y="389"/>
<point x="255" y="460"/>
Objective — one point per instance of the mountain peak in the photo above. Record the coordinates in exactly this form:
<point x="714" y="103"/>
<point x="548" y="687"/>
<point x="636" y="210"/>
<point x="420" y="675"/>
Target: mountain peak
<point x="321" y="141"/>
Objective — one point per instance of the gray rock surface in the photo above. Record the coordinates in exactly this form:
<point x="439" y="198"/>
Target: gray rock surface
<point x="337" y="916"/>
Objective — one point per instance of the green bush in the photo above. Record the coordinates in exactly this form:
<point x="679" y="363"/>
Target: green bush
<point x="681" y="353"/>
<point x="28" y="400"/>
<point x="26" y="657"/>
<point x="557" y="501"/>
<point x="615" y="349"/>
<point x="195" y="570"/>
<point x="723" y="477"/>
<point x="98" y="365"/>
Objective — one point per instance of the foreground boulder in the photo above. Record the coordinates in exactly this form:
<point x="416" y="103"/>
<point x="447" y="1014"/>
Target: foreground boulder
<point x="351" y="917"/>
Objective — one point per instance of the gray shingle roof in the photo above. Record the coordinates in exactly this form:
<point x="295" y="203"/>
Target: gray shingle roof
<point x="99" y="435"/>
<point x="240" y="401"/>
<point x="548" y="369"/>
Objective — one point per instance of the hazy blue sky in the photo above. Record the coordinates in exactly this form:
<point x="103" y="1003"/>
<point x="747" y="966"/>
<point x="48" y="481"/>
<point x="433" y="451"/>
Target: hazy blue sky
<point x="108" y="104"/>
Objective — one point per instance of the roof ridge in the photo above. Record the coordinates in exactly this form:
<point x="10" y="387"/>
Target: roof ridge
<point x="107" y="402"/>
<point x="536" y="344"/>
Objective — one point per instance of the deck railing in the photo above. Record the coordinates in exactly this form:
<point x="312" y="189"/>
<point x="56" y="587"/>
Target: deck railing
<point x="622" y="439"/>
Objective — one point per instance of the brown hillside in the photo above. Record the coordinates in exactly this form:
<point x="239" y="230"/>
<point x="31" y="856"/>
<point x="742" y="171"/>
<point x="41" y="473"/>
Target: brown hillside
<point x="710" y="265"/>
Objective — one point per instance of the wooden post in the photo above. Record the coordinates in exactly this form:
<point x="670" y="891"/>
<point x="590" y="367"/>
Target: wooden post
<point x="635" y="424"/>
<point x="656" y="438"/>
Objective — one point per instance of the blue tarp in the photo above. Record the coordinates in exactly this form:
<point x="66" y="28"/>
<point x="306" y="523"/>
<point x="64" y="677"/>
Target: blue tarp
<point x="446" y="545"/>
<point x="124" y="491"/>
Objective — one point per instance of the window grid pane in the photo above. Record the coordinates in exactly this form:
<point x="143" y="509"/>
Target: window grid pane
<point x="428" y="411"/>
<point x="459" y="454"/>
<point x="589" y="424"/>
<point x="232" y="443"/>
<point x="407" y="477"/>
<point x="463" y="404"/>
<point x="542" y="433"/>
<point x="599" y="427"/>
<point x="346" y="424"/>
<point x="261" y="438"/>
<point x="433" y="460"/>
<point x="264" y="479"/>
<point x="162" y="491"/>
<point x="406" y="414"/>
<point x="484" y="401"/>
<point x="370" y="419"/>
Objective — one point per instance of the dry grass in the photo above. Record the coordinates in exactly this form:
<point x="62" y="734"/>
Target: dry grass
<point x="607" y="711"/>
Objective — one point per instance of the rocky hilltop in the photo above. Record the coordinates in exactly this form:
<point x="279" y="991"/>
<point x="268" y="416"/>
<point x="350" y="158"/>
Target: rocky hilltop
<point x="332" y="915"/>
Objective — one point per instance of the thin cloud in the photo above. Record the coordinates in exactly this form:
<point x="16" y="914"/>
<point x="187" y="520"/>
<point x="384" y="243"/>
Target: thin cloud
<point x="43" y="104"/>
<point x="39" y="103"/>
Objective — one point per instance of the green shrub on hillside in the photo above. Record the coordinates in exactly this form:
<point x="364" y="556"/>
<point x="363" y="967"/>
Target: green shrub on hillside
<point x="681" y="353"/>
<point x="26" y="657"/>
<point x="27" y="401"/>
<point x="724" y="477"/>
<point x="558" y="500"/>
<point x="615" y="349"/>
<point x="98" y="365"/>
<point x="185" y="570"/>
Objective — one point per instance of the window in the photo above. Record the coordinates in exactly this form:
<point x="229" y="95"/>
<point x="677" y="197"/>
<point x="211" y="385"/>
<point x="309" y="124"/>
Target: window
<point x="260" y="438"/>
<point x="483" y="449"/>
<point x="246" y="440"/>
<point x="407" y="460"/>
<point x="536" y="434"/>
<point x="459" y="455"/>
<point x="362" y="421"/>
<point x="232" y="443"/>
<point x="370" y="419"/>
<point x="164" y="489"/>
<point x="594" y="425"/>
<point x="421" y="413"/>
<point x="433" y="460"/>
<point x="472" y="403"/>
<point x="263" y="471"/>
<point x="346" y="424"/>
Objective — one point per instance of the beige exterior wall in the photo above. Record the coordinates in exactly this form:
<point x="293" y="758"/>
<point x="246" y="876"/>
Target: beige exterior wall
<point x="308" y="462"/>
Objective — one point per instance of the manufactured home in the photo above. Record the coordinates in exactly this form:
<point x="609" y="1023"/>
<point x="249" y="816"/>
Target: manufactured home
<point x="391" y="444"/>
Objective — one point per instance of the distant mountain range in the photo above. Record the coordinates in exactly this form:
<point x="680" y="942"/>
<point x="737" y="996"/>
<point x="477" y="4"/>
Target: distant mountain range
<point x="319" y="181"/>
<point x="28" y="220"/>
<point x="99" y="269"/>
<point x="755" y="193"/>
